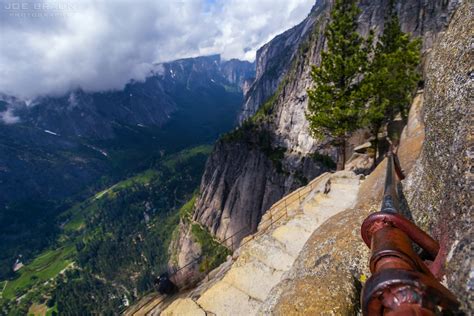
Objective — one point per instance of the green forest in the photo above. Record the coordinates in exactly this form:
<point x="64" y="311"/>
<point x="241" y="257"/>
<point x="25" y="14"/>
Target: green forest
<point x="112" y="245"/>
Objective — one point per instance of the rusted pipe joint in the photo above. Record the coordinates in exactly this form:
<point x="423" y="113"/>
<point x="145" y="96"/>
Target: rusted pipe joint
<point x="376" y="221"/>
<point x="388" y="292"/>
<point x="391" y="249"/>
<point x="401" y="283"/>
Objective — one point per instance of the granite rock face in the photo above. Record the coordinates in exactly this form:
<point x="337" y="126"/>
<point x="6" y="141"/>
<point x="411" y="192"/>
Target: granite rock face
<point x="184" y="251"/>
<point x="272" y="155"/>
<point x="238" y="72"/>
<point x="440" y="190"/>
<point x="274" y="59"/>
<point x="248" y="190"/>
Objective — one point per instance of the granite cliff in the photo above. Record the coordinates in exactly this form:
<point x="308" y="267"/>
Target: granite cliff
<point x="272" y="152"/>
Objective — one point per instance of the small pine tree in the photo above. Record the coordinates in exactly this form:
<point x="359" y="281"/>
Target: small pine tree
<point x="392" y="77"/>
<point x="334" y="104"/>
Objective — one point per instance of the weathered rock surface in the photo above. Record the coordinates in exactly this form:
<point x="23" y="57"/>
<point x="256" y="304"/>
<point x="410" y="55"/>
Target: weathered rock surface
<point x="184" y="307"/>
<point x="439" y="192"/>
<point x="184" y="251"/>
<point x="239" y="184"/>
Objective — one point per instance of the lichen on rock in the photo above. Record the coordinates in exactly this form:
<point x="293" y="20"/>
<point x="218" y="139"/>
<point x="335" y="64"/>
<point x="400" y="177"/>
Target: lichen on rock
<point x="439" y="191"/>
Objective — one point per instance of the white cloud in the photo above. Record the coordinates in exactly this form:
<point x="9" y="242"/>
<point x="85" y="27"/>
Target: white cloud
<point x="99" y="45"/>
<point x="7" y="117"/>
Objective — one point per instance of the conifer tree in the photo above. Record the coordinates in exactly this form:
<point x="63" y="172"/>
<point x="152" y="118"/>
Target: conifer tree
<point x="334" y="102"/>
<point x="392" y="77"/>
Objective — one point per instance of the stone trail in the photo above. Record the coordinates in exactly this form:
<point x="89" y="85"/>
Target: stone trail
<point x="262" y="261"/>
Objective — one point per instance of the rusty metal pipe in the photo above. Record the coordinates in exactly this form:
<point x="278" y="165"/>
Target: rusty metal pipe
<point x="401" y="283"/>
<point x="389" y="289"/>
<point x="409" y="310"/>
<point x="414" y="232"/>
<point x="390" y="203"/>
<point x="391" y="249"/>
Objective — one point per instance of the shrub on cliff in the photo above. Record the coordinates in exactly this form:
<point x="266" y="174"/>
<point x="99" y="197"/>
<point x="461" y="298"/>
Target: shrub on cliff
<point x="213" y="253"/>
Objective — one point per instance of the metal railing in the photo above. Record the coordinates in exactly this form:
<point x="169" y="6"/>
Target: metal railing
<point x="401" y="282"/>
<point x="276" y="213"/>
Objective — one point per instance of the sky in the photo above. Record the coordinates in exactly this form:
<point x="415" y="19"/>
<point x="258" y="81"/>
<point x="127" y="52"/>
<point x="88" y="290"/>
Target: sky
<point x="51" y="47"/>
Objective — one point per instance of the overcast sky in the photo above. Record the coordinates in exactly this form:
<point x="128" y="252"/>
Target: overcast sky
<point x="54" y="46"/>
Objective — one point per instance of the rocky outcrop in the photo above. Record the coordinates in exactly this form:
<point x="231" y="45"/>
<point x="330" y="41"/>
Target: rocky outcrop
<point x="243" y="177"/>
<point x="440" y="190"/>
<point x="233" y="199"/>
<point x="184" y="252"/>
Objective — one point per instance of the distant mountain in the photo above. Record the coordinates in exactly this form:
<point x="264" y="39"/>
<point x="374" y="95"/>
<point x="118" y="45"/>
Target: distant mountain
<point x="238" y="72"/>
<point x="55" y="150"/>
<point x="50" y="133"/>
<point x="151" y="102"/>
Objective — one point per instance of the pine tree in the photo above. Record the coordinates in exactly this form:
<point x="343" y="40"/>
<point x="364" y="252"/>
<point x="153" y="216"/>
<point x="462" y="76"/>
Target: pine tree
<point x="334" y="102"/>
<point x="392" y="77"/>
